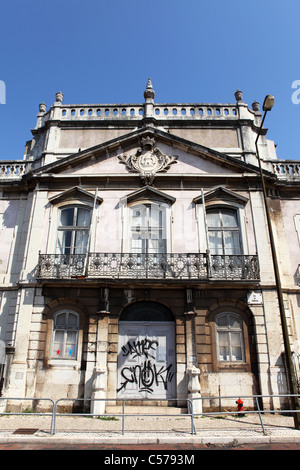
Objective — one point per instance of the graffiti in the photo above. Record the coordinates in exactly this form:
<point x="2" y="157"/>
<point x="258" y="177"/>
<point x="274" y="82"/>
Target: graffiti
<point x="146" y="375"/>
<point x="140" y="348"/>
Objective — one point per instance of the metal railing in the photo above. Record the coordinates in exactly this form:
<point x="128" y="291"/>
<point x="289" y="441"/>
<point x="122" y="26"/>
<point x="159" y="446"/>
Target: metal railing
<point x="167" y="266"/>
<point x="123" y="415"/>
<point x="244" y="267"/>
<point x="27" y="413"/>
<point x="253" y="408"/>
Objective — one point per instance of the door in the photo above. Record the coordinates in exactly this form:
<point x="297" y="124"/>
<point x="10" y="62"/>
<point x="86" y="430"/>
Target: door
<point x="146" y="360"/>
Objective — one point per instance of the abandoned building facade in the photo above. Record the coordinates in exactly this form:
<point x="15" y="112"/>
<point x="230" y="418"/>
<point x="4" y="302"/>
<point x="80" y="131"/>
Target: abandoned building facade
<point x="135" y="255"/>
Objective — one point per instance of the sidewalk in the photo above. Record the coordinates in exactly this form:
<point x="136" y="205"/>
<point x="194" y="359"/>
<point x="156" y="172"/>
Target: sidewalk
<point x="150" y="429"/>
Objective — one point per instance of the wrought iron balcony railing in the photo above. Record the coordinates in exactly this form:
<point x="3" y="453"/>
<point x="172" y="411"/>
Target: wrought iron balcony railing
<point x="183" y="266"/>
<point x="233" y="267"/>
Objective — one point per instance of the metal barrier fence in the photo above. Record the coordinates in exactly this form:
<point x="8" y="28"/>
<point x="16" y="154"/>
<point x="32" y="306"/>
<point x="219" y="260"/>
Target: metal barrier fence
<point x="190" y="408"/>
<point x="122" y="415"/>
<point x="254" y="398"/>
<point x="9" y="413"/>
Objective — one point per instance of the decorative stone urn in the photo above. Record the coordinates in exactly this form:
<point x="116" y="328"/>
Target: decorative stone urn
<point x="255" y="106"/>
<point x="59" y="97"/>
<point x="238" y="95"/>
<point x="42" y="108"/>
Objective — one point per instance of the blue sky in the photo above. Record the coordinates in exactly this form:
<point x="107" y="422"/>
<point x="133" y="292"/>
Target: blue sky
<point x="101" y="51"/>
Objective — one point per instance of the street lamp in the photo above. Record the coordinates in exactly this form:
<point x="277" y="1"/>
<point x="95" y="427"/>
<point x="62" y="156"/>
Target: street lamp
<point x="268" y="103"/>
<point x="267" y="106"/>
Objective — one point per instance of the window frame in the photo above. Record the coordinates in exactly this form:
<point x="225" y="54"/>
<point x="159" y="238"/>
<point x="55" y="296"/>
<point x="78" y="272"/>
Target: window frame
<point x="230" y="366"/>
<point x="66" y="330"/>
<point x="166" y="229"/>
<point x="222" y="228"/>
<point x="59" y="362"/>
<point x="229" y="331"/>
<point x="148" y="228"/>
<point x="243" y="215"/>
<point x="74" y="229"/>
<point x="54" y="216"/>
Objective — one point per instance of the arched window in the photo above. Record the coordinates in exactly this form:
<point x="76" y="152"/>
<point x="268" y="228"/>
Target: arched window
<point x="65" y="335"/>
<point x="229" y="335"/>
<point x="148" y="228"/>
<point x="146" y="311"/>
<point x="223" y="231"/>
<point x="73" y="230"/>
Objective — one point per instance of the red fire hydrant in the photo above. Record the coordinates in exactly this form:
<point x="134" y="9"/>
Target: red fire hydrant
<point x="240" y="406"/>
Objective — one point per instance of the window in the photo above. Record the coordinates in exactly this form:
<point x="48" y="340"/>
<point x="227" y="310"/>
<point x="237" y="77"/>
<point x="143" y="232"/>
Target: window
<point x="148" y="229"/>
<point x="223" y="232"/>
<point x="73" y="230"/>
<point x="229" y="333"/>
<point x="65" y="335"/>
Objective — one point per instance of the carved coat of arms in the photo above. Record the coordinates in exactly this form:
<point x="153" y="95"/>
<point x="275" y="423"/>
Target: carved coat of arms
<point x="148" y="160"/>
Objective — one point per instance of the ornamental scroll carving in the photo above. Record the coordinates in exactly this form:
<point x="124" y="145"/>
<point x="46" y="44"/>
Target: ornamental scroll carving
<point x="148" y="160"/>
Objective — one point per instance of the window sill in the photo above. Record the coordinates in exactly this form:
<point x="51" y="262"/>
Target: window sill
<point x="63" y="363"/>
<point x="233" y="366"/>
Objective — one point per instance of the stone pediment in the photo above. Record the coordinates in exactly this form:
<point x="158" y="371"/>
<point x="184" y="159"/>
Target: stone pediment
<point x="148" y="193"/>
<point x="148" y="153"/>
<point x="74" y="193"/>
<point x="221" y="194"/>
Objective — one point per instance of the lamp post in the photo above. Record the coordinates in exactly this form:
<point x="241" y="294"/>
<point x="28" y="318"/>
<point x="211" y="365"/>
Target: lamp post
<point x="267" y="106"/>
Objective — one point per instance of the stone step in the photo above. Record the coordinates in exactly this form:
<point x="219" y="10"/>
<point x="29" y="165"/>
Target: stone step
<point x="129" y="409"/>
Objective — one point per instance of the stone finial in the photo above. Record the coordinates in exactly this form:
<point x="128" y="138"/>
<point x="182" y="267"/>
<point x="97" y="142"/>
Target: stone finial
<point x="42" y="107"/>
<point x="255" y="106"/>
<point x="149" y="92"/>
<point x="59" y="97"/>
<point x="238" y="95"/>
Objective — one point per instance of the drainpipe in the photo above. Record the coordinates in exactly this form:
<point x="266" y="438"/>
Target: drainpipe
<point x="267" y="106"/>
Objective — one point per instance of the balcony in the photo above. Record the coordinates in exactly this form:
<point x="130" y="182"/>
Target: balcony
<point x="13" y="169"/>
<point x="173" y="266"/>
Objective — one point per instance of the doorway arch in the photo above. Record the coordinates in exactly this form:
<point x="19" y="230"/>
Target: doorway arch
<point x="146" y="352"/>
<point x="146" y="311"/>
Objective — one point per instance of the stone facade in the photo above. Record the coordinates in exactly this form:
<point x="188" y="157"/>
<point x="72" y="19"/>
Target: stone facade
<point x="135" y="256"/>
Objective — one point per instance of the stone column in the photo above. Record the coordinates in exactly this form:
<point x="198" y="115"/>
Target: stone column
<point x="18" y="369"/>
<point x="99" y="385"/>
<point x="190" y="340"/>
<point x="190" y="337"/>
<point x="192" y="371"/>
<point x="98" y="390"/>
<point x="194" y="388"/>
